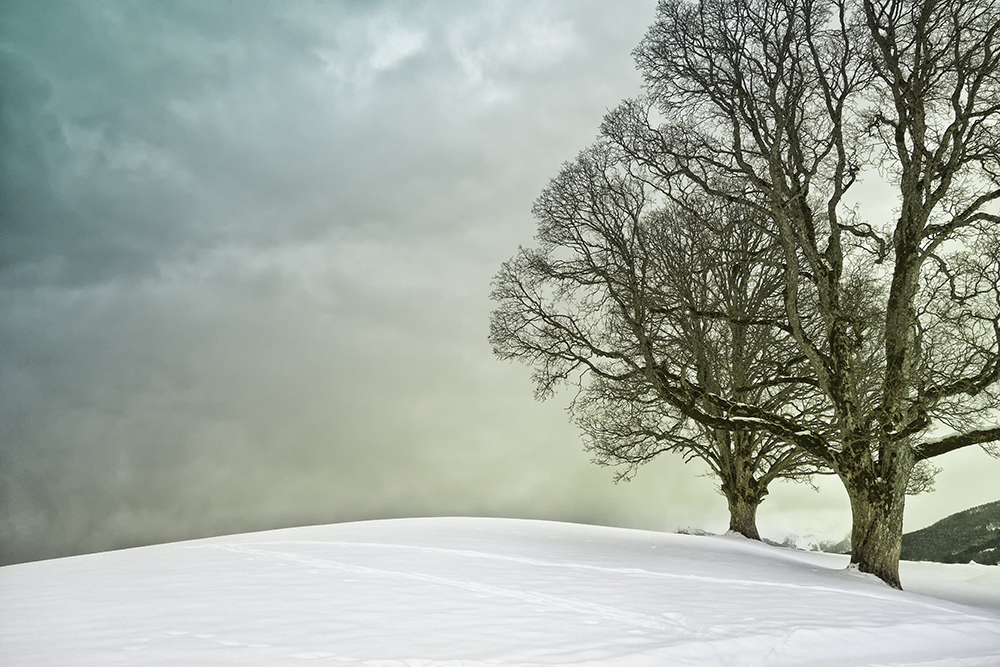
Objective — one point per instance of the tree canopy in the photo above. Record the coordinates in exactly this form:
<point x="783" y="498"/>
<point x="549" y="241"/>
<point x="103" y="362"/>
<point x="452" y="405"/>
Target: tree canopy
<point x="888" y="329"/>
<point x="797" y="100"/>
<point x="626" y="284"/>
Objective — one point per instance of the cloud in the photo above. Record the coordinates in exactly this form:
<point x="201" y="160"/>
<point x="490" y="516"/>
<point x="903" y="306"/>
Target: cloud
<point x="393" y="44"/>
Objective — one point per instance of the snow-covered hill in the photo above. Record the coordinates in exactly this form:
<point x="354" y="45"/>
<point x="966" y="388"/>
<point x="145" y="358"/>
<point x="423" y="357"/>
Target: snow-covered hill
<point x="476" y="592"/>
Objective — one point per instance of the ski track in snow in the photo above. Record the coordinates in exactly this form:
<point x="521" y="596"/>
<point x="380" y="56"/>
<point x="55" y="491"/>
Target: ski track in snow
<point x="604" y="611"/>
<point x="643" y="621"/>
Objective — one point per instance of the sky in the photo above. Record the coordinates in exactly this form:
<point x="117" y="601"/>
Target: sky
<point x="245" y="264"/>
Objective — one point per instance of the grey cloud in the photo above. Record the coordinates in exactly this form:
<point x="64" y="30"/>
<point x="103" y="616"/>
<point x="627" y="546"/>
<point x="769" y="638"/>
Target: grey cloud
<point x="171" y="127"/>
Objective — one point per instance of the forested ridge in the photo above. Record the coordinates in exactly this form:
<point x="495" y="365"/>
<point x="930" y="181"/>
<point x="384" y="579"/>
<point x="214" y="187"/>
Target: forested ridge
<point x="971" y="535"/>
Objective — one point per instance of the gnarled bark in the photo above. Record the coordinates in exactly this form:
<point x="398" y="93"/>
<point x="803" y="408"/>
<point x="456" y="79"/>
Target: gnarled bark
<point x="743" y="483"/>
<point x="743" y="513"/>
<point x="877" y="499"/>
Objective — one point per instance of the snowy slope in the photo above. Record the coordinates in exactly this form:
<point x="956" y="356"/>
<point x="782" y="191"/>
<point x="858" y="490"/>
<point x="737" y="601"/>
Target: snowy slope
<point x="476" y="592"/>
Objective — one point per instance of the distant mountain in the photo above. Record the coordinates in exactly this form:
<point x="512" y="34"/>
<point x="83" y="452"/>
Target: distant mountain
<point x="811" y="543"/>
<point x="972" y="535"/>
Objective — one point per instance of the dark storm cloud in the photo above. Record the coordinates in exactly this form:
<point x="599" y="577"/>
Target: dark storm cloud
<point x="136" y="131"/>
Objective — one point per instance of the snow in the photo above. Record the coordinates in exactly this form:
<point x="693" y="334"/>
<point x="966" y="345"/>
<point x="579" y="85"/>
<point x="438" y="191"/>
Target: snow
<point x="453" y="592"/>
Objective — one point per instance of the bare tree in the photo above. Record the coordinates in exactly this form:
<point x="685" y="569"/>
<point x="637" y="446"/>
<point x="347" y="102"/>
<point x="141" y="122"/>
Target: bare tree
<point x="794" y="99"/>
<point x="623" y="287"/>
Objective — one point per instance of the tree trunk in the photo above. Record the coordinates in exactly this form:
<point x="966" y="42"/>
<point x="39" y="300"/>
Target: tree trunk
<point x="743" y="515"/>
<point x="736" y="474"/>
<point x="877" y="512"/>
